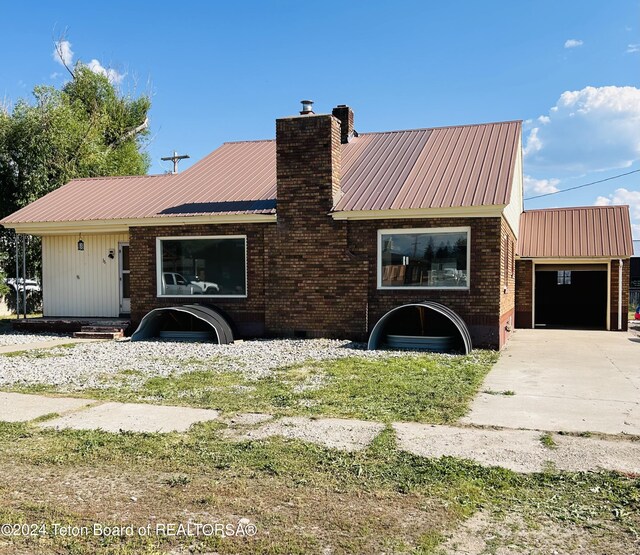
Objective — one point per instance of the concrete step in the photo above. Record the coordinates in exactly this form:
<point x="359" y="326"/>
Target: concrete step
<point x="108" y="329"/>
<point x="98" y="334"/>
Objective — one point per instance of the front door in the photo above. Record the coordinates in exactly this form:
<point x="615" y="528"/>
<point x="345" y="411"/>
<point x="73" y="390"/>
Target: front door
<point x="125" y="296"/>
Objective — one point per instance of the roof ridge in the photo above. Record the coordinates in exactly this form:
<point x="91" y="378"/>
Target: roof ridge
<point x="98" y="178"/>
<point x="566" y="208"/>
<point x="392" y="131"/>
<point x="440" y="127"/>
<point x="249" y="141"/>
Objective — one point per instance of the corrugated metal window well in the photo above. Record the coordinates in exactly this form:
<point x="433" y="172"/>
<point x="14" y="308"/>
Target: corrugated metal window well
<point x="185" y="323"/>
<point x="425" y="326"/>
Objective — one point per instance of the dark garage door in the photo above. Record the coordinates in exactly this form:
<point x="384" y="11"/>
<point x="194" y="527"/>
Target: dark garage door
<point x="571" y="296"/>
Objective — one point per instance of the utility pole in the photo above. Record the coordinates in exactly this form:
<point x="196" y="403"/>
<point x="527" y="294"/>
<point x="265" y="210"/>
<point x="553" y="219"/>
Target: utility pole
<point x="175" y="159"/>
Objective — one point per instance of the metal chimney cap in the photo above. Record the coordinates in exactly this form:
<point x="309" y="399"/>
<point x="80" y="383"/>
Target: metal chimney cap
<point x="307" y="107"/>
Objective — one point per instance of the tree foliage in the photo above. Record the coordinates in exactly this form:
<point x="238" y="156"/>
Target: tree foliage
<point x="4" y="289"/>
<point x="86" y="128"/>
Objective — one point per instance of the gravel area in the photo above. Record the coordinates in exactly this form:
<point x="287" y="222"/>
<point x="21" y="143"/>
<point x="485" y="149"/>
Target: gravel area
<point x="15" y="338"/>
<point x="86" y="365"/>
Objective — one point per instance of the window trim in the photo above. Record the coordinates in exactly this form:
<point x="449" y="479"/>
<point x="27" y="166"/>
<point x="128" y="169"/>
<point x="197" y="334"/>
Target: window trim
<point x="159" y="269"/>
<point x="432" y="230"/>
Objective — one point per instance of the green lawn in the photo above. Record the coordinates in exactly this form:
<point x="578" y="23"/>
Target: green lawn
<point x="427" y="388"/>
<point x="302" y="498"/>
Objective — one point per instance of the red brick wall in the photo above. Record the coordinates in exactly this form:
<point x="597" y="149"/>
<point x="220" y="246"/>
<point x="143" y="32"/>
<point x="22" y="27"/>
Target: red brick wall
<point x="524" y="293"/>
<point x="614" y="294"/>
<point x="247" y="314"/>
<point x="479" y="306"/>
<point x="321" y="278"/>
<point x="316" y="287"/>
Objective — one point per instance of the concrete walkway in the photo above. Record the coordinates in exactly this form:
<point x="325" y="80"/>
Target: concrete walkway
<point x="44" y="344"/>
<point x="564" y="380"/>
<point x="90" y="414"/>
<point x="518" y="450"/>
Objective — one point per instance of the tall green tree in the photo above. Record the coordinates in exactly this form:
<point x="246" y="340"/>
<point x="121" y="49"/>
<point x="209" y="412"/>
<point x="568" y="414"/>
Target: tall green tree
<point x="86" y="128"/>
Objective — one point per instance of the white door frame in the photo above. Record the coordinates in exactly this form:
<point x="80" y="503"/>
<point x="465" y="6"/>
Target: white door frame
<point x="125" y="303"/>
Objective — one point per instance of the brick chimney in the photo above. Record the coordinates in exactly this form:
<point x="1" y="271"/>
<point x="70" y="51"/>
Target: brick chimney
<point x="308" y="153"/>
<point x="345" y="115"/>
<point x="307" y="261"/>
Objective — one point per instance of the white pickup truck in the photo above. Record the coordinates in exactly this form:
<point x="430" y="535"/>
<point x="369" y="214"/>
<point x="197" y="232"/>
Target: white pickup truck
<point x="176" y="284"/>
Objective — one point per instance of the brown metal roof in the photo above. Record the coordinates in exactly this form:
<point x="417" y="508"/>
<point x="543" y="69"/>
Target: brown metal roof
<point x="445" y="167"/>
<point x="469" y="165"/>
<point x="590" y="231"/>
<point x="237" y="178"/>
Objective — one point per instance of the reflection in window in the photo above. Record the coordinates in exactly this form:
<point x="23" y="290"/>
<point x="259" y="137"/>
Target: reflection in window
<point x="564" y="277"/>
<point x="424" y="258"/>
<point x="208" y="266"/>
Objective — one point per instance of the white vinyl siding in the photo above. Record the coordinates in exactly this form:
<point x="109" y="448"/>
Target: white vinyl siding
<point x="81" y="283"/>
<point x="515" y="207"/>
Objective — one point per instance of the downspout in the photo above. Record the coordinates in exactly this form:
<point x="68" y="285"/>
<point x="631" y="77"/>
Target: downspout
<point x="17" y="275"/>
<point x="24" y="275"/>
<point x="620" y="294"/>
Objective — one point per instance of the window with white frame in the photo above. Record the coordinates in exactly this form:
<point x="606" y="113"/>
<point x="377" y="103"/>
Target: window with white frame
<point x="194" y="266"/>
<point x="423" y="258"/>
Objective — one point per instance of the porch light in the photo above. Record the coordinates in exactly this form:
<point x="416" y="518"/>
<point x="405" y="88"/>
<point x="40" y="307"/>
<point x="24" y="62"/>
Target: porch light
<point x="81" y="244"/>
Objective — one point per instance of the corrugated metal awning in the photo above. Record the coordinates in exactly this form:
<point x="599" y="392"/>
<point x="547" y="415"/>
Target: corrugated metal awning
<point x="589" y="232"/>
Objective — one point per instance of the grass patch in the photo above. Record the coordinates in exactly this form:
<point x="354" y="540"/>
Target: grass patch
<point x="507" y="392"/>
<point x="302" y="497"/>
<point x="179" y="480"/>
<point x="423" y="389"/>
<point x="427" y="388"/>
<point x="548" y="441"/>
<point x="45" y="417"/>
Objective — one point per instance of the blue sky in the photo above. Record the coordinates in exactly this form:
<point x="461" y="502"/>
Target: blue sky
<point x="219" y="71"/>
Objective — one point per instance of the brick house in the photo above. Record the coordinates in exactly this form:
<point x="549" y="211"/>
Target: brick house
<point x="321" y="232"/>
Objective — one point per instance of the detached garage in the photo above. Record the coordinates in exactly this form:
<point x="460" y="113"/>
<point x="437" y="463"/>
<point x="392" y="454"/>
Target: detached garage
<point x="572" y="269"/>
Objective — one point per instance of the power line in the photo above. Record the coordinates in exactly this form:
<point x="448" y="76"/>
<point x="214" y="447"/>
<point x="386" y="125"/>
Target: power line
<point x="583" y="185"/>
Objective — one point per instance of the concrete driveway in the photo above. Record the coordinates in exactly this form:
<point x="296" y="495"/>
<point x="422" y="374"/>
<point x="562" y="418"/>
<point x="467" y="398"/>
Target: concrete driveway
<point x="564" y="380"/>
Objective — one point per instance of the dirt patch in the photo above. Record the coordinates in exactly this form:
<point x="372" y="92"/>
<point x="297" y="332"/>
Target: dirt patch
<point x="247" y="419"/>
<point x="512" y="534"/>
<point x="519" y="450"/>
<point x="347" y="435"/>
<point x="290" y="518"/>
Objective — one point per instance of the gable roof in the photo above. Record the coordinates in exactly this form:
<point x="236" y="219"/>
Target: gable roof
<point x="461" y="166"/>
<point x="590" y="231"/>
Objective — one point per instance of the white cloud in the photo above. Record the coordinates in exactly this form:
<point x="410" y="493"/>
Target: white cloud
<point x="62" y="53"/>
<point x="114" y="76"/>
<point x="624" y="196"/>
<point x="573" y="43"/>
<point x="593" y="129"/>
<point x="534" y="186"/>
<point x="533" y="144"/>
<point x="631" y="48"/>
